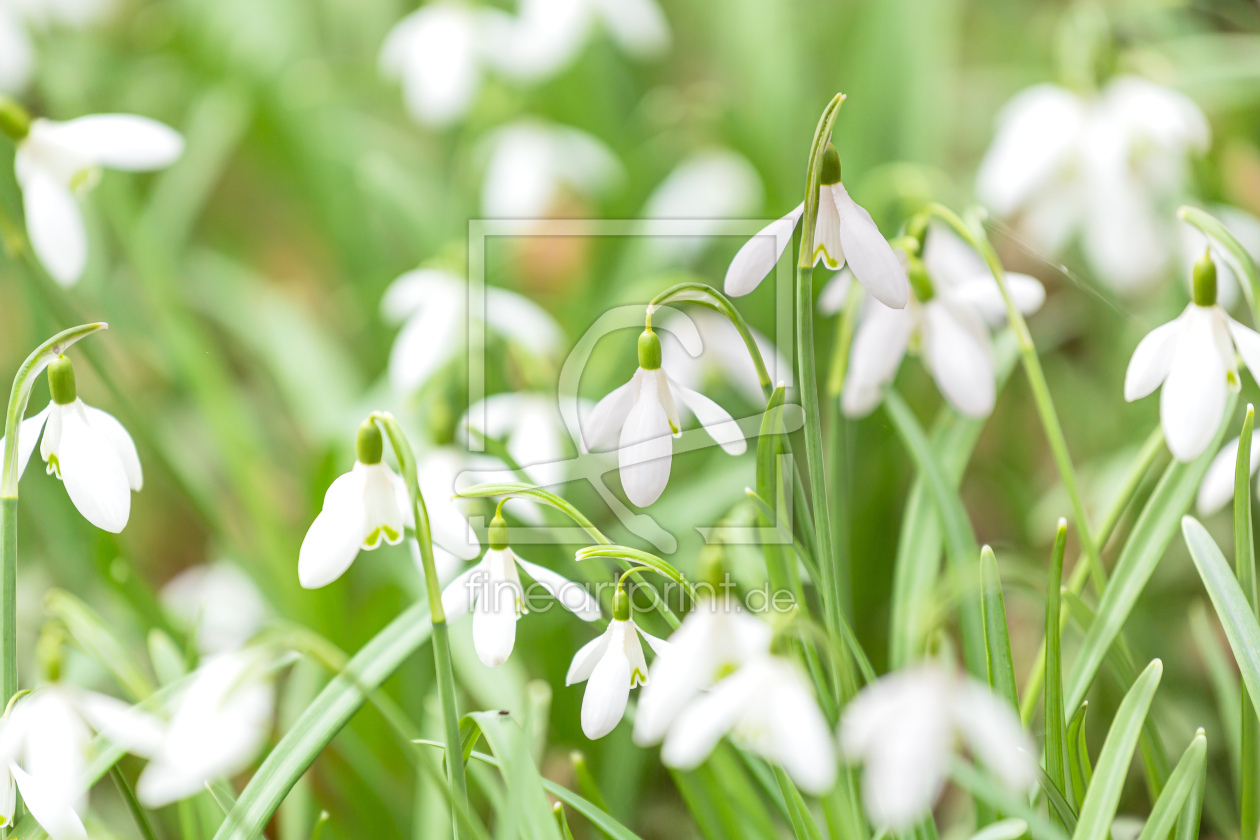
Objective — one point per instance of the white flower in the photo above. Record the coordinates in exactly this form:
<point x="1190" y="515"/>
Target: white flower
<point x="532" y="162"/>
<point x="58" y="159"/>
<point x="492" y="590"/>
<point x="1245" y="228"/>
<point x="1193" y="357"/>
<point x="89" y="450"/>
<point x="904" y="728"/>
<point x="439" y="473"/>
<point x="219" y="723"/>
<point x="722" y="354"/>
<point x="611" y="665"/>
<point x="715" y="638"/>
<point x="708" y="186"/>
<point x="950" y="330"/>
<point x="1217" y="489"/>
<point x="642" y="416"/>
<point x="44" y="746"/>
<point x="767" y="708"/>
<point x="17" y="54"/>
<point x="437" y="53"/>
<point x="535" y="434"/>
<point x="1111" y="167"/>
<point x="218" y="603"/>
<point x="432" y="305"/>
<point x="844" y="232"/>
<point x="363" y="508"/>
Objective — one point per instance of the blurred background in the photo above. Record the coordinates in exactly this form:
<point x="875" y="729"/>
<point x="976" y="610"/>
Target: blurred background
<point x="331" y="149"/>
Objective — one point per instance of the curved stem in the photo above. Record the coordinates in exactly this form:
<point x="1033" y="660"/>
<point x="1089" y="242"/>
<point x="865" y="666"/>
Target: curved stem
<point x="705" y="295"/>
<point x="1238" y="257"/>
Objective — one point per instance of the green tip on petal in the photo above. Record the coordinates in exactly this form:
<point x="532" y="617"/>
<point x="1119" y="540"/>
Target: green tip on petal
<point x="649" y="350"/>
<point x="369" y="445"/>
<point x="1205" y="280"/>
<point x="830" y="171"/>
<point x="15" y="122"/>
<point x="61" y="381"/>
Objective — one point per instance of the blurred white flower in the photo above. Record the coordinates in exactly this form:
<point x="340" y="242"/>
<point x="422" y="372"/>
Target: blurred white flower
<point x="432" y="306"/>
<point x="1110" y="167"/>
<point x="492" y="590"/>
<point x="951" y="328"/>
<point x="715" y="638"/>
<point x="59" y="159"/>
<point x="844" y="231"/>
<point x="17" y="54"/>
<point x="1217" y="489"/>
<point x="1193" y="357"/>
<point x="1245" y="228"/>
<point x="532" y="162"/>
<point x="219" y="723"/>
<point x="611" y="664"/>
<point x="904" y="728"/>
<point x="767" y="707"/>
<point x="723" y="355"/>
<point x="437" y="54"/>
<point x="641" y="416"/>
<point x="536" y="437"/>
<point x="708" y="187"/>
<point x="217" y="603"/>
<point x="88" y="449"/>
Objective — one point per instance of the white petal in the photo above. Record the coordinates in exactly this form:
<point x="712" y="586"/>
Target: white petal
<point x="1217" y="489"/>
<point x="55" y="225"/>
<point x="1192" y="401"/>
<point x="960" y="360"/>
<point x="1152" y="360"/>
<point x="828" y="243"/>
<point x="28" y="436"/>
<point x="981" y="292"/>
<point x="869" y="255"/>
<point x="94" y="475"/>
<point x="1247" y="341"/>
<point x="55" y="815"/>
<point x="676" y="676"/>
<point x="526" y="323"/>
<point x="8" y="790"/>
<point x="656" y="643"/>
<point x="587" y="657"/>
<point x="495" y="612"/>
<point x="434" y="52"/>
<point x="1037" y="135"/>
<point x="603" y="424"/>
<point x="127" y="726"/>
<point x="638" y="26"/>
<point x="383" y="505"/>
<point x="703" y="723"/>
<point x="457" y="597"/>
<point x="994" y="734"/>
<point x="218" y="603"/>
<point x="760" y="254"/>
<point x="17" y="60"/>
<point x="439" y="471"/>
<point x="122" y="442"/>
<point x="833" y="296"/>
<point x="646" y="448"/>
<point x="715" y="420"/>
<point x="572" y="596"/>
<point x="801" y="738"/>
<point x="419" y="288"/>
<point x="120" y="141"/>
<point x="425" y="344"/>
<point x="608" y="688"/>
<point x="333" y="540"/>
<point x="878" y="348"/>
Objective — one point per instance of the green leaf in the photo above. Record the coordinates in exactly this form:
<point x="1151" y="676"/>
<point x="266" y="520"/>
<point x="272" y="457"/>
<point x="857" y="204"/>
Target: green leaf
<point x="90" y="633"/>
<point x="1060" y="810"/>
<point x="1056" y="749"/>
<point x="1078" y="753"/>
<point x="1147" y="543"/>
<point x="803" y="825"/>
<point x="324" y="718"/>
<point x="997" y="641"/>
<point x="1099" y="807"/>
<point x="1180" y="784"/>
<point x="527" y="802"/>
<point x="1245" y="569"/>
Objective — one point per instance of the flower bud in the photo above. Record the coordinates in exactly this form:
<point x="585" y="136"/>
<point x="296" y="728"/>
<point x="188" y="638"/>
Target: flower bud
<point x="829" y="173"/>
<point x="61" y="381"/>
<point x="649" y="350"/>
<point x="369" y="446"/>
<point x="498" y="533"/>
<point x="1205" y="280"/>
<point x="919" y="280"/>
<point x="14" y="121"/>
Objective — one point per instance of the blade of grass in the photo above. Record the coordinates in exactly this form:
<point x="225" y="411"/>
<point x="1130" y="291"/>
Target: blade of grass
<point x="1185" y="776"/>
<point x="997" y="797"/>
<point x="1079" y="768"/>
<point x="1244" y="568"/>
<point x="997" y="640"/>
<point x="527" y="800"/>
<point x="1056" y="750"/>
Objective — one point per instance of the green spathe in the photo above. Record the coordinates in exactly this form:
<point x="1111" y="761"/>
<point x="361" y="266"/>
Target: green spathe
<point x="61" y="382"/>
<point x="369" y="446"/>
<point x="1205" y="280"/>
<point x="649" y="350"/>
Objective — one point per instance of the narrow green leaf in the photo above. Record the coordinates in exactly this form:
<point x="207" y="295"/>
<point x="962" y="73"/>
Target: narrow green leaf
<point x="1099" y="807"/>
<point x="1216" y="658"/>
<point x="1055" y="724"/>
<point x="527" y="800"/>
<point x="1147" y="543"/>
<point x="803" y="825"/>
<point x="1060" y="811"/>
<point x="1185" y="776"/>
<point x="1009" y="829"/>
<point x="90" y="633"/>
<point x="1078" y="753"/>
<point x="1192" y="812"/>
<point x="997" y="640"/>
<point x="1245" y="569"/>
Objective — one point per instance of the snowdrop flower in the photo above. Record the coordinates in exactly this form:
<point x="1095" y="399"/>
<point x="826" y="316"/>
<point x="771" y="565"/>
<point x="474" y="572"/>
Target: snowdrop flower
<point x="710" y="185"/>
<point x="437" y="54"/>
<point x="218" y="603"/>
<point x="767" y="707"/>
<point x="1245" y="228"/>
<point x="611" y="665"/>
<point x="1110" y="167"/>
<point x="363" y="508"/>
<point x="1193" y="357"/>
<point x="535" y="434"/>
<point x="722" y="355"/>
<point x="904" y="728"/>
<point x="56" y="160"/>
<point x="492" y="590"/>
<point x="432" y="306"/>
<point x="1217" y="489"/>
<point x="954" y="303"/>
<point x="218" y="725"/>
<point x="844" y="232"/>
<point x="531" y="162"/>
<point x="17" y="54"/>
<point x="642" y="416"/>
<point x="715" y="638"/>
<point x="88" y="449"/>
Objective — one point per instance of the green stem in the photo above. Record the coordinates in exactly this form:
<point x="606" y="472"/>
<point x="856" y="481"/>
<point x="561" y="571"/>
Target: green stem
<point x="1244" y="565"/>
<point x="129" y="796"/>
<point x="707" y="296"/>
<point x="441" y="642"/>
<point x="1235" y="254"/>
<point x="8" y="595"/>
